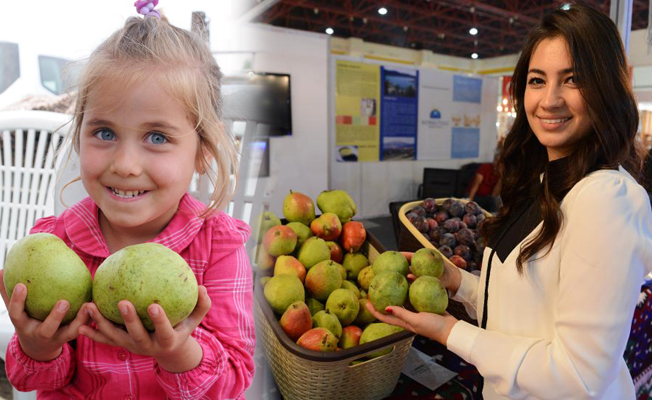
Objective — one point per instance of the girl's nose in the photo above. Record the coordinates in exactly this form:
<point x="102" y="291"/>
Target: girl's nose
<point x="126" y="162"/>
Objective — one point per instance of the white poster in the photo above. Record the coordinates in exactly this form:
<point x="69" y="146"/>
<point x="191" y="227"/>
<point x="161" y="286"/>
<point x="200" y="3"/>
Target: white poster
<point x="435" y="114"/>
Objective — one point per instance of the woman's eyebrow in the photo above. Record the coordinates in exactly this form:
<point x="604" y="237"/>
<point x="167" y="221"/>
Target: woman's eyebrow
<point x="541" y="72"/>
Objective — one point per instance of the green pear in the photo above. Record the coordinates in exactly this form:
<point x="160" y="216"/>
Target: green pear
<point x="427" y="294"/>
<point x="263" y="223"/>
<point x="313" y="251"/>
<point x="302" y="231"/>
<point x="365" y="276"/>
<point x="337" y="202"/>
<point x="144" y="274"/>
<point x="388" y="288"/>
<point x="352" y="287"/>
<point x="51" y="271"/>
<point x="326" y="319"/>
<point x="391" y="261"/>
<point x="283" y="290"/>
<point x="427" y="262"/>
<point x="353" y="263"/>
<point x="377" y="331"/>
<point x="364" y="315"/>
<point x="314" y="305"/>
<point x="344" y="304"/>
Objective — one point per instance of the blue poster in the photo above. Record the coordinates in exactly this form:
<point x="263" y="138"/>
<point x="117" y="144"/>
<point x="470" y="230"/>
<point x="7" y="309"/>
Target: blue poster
<point x="465" y="143"/>
<point x="399" y="114"/>
<point x="467" y="89"/>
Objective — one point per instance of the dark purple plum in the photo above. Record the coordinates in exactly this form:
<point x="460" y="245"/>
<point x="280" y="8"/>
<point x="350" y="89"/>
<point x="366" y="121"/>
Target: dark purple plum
<point x="430" y="205"/>
<point x="472" y="208"/>
<point x="448" y="239"/>
<point x="465" y="237"/>
<point x="436" y="233"/>
<point x="464" y="252"/>
<point x="441" y="217"/>
<point x="446" y="205"/>
<point x="470" y="220"/>
<point x="480" y="217"/>
<point x="422" y="225"/>
<point x="471" y="266"/>
<point x="452" y="225"/>
<point x="457" y="209"/>
<point x="432" y="223"/>
<point x="463" y="225"/>
<point x="446" y="251"/>
<point x="412" y="217"/>
<point x="419" y="210"/>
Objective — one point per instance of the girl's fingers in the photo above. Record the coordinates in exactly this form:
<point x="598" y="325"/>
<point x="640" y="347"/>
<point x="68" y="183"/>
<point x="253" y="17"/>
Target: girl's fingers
<point x="200" y="311"/>
<point x="82" y="318"/>
<point x="94" y="335"/>
<point x="3" y="292"/>
<point x="16" y="308"/>
<point x="134" y="325"/>
<point x="163" y="330"/>
<point x="114" y="335"/>
<point x="52" y="322"/>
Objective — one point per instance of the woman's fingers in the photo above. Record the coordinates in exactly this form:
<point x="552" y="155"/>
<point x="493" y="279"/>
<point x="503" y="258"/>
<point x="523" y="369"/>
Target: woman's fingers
<point x="408" y="255"/>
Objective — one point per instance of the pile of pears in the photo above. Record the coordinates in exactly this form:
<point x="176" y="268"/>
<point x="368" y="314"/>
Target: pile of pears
<point x="318" y="280"/>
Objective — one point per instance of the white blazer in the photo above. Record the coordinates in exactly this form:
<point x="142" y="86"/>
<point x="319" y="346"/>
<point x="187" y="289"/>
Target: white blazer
<point x="559" y="331"/>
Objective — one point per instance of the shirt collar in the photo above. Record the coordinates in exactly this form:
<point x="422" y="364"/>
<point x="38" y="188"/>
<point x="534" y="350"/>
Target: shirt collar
<point x="83" y="228"/>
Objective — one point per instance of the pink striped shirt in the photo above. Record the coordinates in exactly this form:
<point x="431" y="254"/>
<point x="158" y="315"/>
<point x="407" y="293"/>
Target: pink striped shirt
<point x="214" y="249"/>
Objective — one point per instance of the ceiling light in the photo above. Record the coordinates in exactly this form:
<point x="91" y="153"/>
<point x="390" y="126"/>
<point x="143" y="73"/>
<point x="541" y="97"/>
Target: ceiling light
<point x="499" y="108"/>
<point x="382" y="11"/>
<point x="405" y="28"/>
<point x="330" y="31"/>
<point x="316" y="10"/>
<point x="473" y="31"/>
<point x="474" y="56"/>
<point x="504" y="101"/>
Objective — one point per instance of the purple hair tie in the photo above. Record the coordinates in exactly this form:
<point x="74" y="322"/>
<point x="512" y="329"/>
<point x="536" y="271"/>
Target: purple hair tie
<point x="146" y="8"/>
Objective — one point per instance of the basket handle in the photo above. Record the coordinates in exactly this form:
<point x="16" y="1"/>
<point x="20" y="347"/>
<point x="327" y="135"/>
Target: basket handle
<point x="360" y="360"/>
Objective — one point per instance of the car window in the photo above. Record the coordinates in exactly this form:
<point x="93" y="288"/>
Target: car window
<point x="9" y="65"/>
<point x="51" y="69"/>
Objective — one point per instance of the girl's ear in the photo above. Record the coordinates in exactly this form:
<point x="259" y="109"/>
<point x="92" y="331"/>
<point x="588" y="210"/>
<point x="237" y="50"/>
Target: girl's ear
<point x="204" y="158"/>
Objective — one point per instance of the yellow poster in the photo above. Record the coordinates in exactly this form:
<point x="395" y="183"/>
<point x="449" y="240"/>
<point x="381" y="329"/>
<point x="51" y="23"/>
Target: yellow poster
<point x="357" y="111"/>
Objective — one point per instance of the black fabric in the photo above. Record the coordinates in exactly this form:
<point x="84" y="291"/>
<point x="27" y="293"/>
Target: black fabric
<point x="529" y="216"/>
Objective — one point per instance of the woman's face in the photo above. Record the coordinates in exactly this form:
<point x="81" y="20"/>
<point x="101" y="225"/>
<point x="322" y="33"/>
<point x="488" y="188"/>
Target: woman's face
<point x="554" y="106"/>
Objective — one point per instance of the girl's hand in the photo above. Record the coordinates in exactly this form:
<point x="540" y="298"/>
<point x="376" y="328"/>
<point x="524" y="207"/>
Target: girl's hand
<point x="173" y="347"/>
<point x="41" y="340"/>
<point x="433" y="326"/>
<point x="451" y="277"/>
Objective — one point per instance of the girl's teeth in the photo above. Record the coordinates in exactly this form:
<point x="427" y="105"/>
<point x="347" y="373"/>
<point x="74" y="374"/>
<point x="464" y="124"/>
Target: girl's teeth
<point x="127" y="194"/>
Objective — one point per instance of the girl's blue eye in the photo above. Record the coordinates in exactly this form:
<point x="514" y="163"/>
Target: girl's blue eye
<point x="157" y="138"/>
<point x="105" y="134"/>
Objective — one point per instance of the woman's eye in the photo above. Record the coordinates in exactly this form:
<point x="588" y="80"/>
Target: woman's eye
<point x="571" y="79"/>
<point x="105" y="134"/>
<point x="535" y="81"/>
<point x="157" y="138"/>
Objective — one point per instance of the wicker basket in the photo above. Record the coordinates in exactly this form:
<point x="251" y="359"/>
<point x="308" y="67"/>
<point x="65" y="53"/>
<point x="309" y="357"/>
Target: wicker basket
<point x="303" y="374"/>
<point x="411" y="239"/>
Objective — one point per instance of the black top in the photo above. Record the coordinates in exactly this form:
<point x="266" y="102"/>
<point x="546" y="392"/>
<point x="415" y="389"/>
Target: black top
<point x="522" y="222"/>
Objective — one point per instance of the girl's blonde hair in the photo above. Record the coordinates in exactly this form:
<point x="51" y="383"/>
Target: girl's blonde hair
<point x="182" y="63"/>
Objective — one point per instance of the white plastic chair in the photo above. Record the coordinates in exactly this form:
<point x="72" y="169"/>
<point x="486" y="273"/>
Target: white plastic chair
<point x="29" y="140"/>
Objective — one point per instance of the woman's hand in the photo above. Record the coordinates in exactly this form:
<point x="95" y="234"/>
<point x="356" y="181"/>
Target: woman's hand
<point x="450" y="279"/>
<point x="172" y="347"/>
<point x="41" y="340"/>
<point x="434" y="326"/>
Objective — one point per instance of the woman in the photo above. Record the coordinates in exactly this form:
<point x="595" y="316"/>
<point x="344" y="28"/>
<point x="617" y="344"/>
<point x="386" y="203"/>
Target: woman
<point x="569" y="249"/>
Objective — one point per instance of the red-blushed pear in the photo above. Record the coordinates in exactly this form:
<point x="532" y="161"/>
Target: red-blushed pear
<point x="290" y="266"/>
<point x="297" y="207"/>
<point x="322" y="279"/>
<point x="296" y="320"/>
<point x="350" y="337"/>
<point x="263" y="260"/>
<point x="353" y="236"/>
<point x="280" y="240"/>
<point x="318" y="339"/>
<point x="336" y="251"/>
<point x="327" y="227"/>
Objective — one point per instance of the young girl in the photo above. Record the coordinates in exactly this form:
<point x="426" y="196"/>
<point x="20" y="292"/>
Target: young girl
<point x="147" y="118"/>
<point x="569" y="250"/>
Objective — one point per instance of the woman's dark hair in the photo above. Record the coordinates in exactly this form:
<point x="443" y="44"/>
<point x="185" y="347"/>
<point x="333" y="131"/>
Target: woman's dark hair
<point x="601" y="73"/>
